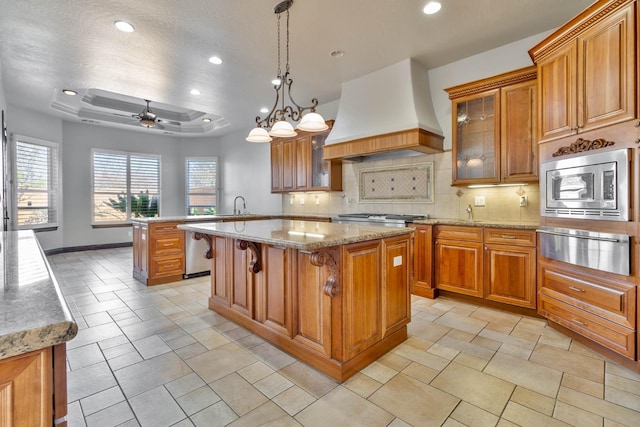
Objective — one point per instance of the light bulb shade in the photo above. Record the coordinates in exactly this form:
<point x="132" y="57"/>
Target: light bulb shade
<point x="148" y="123"/>
<point x="282" y="129"/>
<point x="312" y="122"/>
<point x="259" y="135"/>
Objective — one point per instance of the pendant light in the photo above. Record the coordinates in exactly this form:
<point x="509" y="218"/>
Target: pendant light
<point x="276" y="119"/>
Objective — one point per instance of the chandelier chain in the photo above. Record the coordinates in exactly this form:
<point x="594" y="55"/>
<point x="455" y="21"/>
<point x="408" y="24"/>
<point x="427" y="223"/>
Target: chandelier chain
<point x="287" y="41"/>
<point x="279" y="69"/>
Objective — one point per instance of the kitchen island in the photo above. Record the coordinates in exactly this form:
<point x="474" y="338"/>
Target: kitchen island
<point x="35" y="324"/>
<point x="336" y="296"/>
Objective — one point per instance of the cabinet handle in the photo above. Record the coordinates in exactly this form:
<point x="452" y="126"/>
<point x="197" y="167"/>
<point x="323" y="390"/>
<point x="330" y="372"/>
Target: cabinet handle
<point x="506" y="236"/>
<point x="573" y="288"/>
<point x="167" y="244"/>
<point x="580" y="322"/>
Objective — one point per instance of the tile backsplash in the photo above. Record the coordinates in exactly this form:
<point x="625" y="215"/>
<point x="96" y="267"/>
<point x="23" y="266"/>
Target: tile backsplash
<point x="500" y="203"/>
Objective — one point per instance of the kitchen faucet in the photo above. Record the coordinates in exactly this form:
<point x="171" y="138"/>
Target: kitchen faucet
<point x="469" y="213"/>
<point x="244" y="205"/>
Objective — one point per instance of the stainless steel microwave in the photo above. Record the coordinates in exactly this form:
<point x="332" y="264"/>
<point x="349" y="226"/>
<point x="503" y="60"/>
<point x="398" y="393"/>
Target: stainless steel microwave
<point x="593" y="186"/>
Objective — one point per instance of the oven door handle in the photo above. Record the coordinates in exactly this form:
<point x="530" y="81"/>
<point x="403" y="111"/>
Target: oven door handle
<point x="601" y="239"/>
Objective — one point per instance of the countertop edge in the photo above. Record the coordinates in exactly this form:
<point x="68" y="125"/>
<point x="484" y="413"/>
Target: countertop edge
<point x="385" y="232"/>
<point x="485" y="224"/>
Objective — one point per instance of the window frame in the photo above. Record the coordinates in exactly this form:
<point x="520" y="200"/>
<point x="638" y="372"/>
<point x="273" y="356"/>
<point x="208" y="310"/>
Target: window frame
<point x="186" y="181"/>
<point x="128" y="220"/>
<point x="54" y="178"/>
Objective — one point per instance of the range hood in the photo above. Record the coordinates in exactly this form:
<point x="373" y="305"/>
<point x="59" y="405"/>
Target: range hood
<point x="385" y="111"/>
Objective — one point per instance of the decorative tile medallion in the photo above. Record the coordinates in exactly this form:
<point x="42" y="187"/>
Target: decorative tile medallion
<point x="411" y="182"/>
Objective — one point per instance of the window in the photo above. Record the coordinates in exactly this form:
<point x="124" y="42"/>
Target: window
<point x="125" y="186"/>
<point x="202" y="185"/>
<point x="36" y="178"/>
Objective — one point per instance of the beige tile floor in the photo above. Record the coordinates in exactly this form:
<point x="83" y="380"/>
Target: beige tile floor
<point x="157" y="356"/>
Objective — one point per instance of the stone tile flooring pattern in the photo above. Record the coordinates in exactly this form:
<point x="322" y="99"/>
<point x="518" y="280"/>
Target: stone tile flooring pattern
<point x="157" y="356"/>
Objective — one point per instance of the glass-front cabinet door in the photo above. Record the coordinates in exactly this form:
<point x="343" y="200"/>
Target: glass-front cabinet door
<point x="320" y="168"/>
<point x="476" y="139"/>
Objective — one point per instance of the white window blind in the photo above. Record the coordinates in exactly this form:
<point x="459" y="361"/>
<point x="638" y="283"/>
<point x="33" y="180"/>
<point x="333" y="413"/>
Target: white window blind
<point x="36" y="169"/>
<point x="125" y="186"/>
<point x="202" y="178"/>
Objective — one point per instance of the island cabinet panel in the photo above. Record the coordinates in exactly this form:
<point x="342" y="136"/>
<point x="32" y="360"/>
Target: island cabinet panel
<point x="242" y="281"/>
<point x="312" y="307"/>
<point x="396" y="273"/>
<point x="362" y="299"/>
<point x="274" y="298"/>
<point x="219" y="284"/>
<point x="26" y="390"/>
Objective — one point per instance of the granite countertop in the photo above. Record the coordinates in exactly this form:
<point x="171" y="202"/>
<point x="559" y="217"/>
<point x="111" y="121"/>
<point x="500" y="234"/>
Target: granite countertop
<point x="305" y="235"/>
<point x="33" y="313"/>
<point x="492" y="224"/>
<point x="227" y="218"/>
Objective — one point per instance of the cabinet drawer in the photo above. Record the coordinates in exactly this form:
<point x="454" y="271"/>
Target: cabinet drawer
<point x="459" y="232"/>
<point x="611" y="300"/>
<point x="609" y="334"/>
<point x="164" y="227"/>
<point x="167" y="244"/>
<point x="510" y="236"/>
<point x="167" y="266"/>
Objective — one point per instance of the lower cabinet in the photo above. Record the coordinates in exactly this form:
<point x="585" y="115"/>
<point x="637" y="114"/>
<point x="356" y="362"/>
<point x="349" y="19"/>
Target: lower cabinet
<point x="158" y="252"/>
<point x="33" y="388"/>
<point x="458" y="252"/>
<point x="497" y="264"/>
<point x="599" y="307"/>
<point x="422" y="283"/>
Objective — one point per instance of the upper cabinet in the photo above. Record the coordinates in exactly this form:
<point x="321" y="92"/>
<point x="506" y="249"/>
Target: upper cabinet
<point x="587" y="71"/>
<point x="494" y="129"/>
<point x="297" y="164"/>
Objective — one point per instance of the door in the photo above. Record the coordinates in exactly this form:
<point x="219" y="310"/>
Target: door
<point x="510" y="273"/>
<point x="459" y="266"/>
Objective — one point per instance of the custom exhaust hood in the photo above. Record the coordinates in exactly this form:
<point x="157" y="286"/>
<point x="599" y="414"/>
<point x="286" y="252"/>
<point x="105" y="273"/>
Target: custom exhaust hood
<point x="388" y="110"/>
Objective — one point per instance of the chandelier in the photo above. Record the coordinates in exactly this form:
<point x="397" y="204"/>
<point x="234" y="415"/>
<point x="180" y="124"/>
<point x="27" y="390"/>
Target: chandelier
<point x="276" y="120"/>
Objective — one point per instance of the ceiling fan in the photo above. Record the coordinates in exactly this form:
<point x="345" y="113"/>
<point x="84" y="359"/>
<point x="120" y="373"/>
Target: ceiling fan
<point x="149" y="119"/>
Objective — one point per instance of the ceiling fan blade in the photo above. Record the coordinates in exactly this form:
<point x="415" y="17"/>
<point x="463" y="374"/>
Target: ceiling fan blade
<point x="170" y="122"/>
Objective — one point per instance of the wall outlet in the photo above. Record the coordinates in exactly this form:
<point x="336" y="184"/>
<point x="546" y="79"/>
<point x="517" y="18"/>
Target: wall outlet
<point x="524" y="201"/>
<point x="478" y="201"/>
<point x="302" y="201"/>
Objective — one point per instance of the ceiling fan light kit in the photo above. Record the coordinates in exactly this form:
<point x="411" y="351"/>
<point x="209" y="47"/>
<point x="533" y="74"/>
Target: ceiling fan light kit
<point x="276" y="118"/>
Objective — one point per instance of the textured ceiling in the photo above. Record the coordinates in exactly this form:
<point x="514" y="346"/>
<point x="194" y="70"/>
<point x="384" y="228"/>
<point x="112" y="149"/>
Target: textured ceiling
<point x="49" y="45"/>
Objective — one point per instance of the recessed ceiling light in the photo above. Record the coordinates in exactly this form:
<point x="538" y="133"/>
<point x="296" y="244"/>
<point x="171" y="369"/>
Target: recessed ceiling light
<point x="69" y="92"/>
<point x="194" y="92"/>
<point x="336" y="53"/>
<point x="206" y="120"/>
<point x="215" y="60"/>
<point x="432" y="7"/>
<point x="124" y="26"/>
<point x="264" y="110"/>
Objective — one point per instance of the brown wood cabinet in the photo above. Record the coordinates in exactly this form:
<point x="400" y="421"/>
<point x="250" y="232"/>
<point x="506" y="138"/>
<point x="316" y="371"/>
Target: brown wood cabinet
<point x="158" y="252"/>
<point x="458" y="253"/>
<point x="510" y="266"/>
<point x="423" y="261"/>
<point x="497" y="264"/>
<point x="33" y="388"/>
<point x="494" y="129"/>
<point x="286" y="296"/>
<point x="587" y="71"/>
<point x="600" y="307"/>
<point x="297" y="164"/>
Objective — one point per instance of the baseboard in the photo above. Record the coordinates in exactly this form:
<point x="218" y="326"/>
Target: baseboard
<point x="87" y="248"/>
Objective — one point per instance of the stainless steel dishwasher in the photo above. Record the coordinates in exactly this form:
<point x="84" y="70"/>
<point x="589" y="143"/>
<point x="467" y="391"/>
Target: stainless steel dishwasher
<point x="195" y="262"/>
